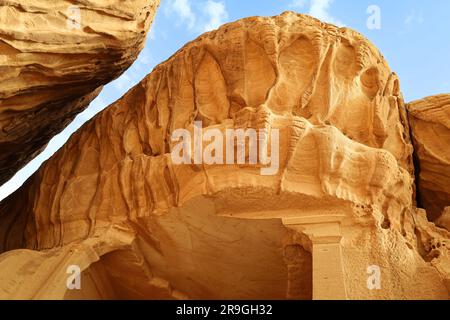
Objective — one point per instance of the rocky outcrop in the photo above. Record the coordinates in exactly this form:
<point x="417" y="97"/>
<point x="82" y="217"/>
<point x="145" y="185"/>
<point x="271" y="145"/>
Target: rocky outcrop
<point x="54" y="58"/>
<point x="340" y="202"/>
<point x="444" y="220"/>
<point x="430" y="127"/>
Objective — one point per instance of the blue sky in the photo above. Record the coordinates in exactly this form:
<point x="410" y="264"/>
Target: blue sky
<point x="414" y="36"/>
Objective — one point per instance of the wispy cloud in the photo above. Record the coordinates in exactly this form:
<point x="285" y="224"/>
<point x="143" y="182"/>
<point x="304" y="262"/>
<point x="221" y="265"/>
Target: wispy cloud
<point x="297" y="4"/>
<point x="414" y="17"/>
<point x="183" y="9"/>
<point x="198" y="16"/>
<point x="123" y="81"/>
<point x="217" y="14"/>
<point x="319" y="9"/>
<point x="152" y="33"/>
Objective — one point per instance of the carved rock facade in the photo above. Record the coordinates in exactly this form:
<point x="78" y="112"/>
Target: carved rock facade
<point x="140" y="226"/>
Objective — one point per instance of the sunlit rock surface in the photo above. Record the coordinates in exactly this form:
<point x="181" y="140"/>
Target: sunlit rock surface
<point x="338" y="211"/>
<point x="55" y="56"/>
<point x="430" y="128"/>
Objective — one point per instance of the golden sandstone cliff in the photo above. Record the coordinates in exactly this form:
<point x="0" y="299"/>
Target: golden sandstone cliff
<point x="55" y="56"/>
<point x="430" y="127"/>
<point x="341" y="204"/>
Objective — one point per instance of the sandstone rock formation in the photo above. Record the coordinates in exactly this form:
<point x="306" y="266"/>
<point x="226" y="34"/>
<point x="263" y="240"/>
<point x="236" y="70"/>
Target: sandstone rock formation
<point x="430" y="128"/>
<point x="54" y="58"/>
<point x="138" y="225"/>
<point x="444" y="220"/>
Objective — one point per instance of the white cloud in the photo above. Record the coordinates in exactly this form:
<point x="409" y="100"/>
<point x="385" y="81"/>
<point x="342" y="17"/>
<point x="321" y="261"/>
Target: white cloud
<point x="144" y="59"/>
<point x="414" y="17"/>
<point x="318" y="9"/>
<point x="152" y="33"/>
<point x="198" y="16"/>
<point x="123" y="81"/>
<point x="297" y="4"/>
<point x="183" y="9"/>
<point x="216" y="13"/>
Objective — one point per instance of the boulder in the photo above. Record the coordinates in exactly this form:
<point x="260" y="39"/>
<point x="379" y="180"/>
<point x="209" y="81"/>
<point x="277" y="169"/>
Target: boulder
<point x="55" y="56"/>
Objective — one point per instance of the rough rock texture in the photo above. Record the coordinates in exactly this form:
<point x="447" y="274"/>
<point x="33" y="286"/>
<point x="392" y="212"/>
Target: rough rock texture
<point x="444" y="220"/>
<point x="53" y="64"/>
<point x="430" y="128"/>
<point x="140" y="226"/>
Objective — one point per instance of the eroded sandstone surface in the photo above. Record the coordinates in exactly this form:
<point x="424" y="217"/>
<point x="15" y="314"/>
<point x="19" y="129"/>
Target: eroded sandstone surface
<point x="430" y="128"/>
<point x="140" y="226"/>
<point x="55" y="56"/>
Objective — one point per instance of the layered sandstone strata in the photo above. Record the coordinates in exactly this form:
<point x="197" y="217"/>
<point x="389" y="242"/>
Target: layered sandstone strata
<point x="54" y="58"/>
<point x="113" y="202"/>
<point x="430" y="128"/>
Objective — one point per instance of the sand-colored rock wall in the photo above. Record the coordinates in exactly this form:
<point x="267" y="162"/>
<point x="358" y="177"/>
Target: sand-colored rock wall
<point x="55" y="56"/>
<point x="341" y="201"/>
